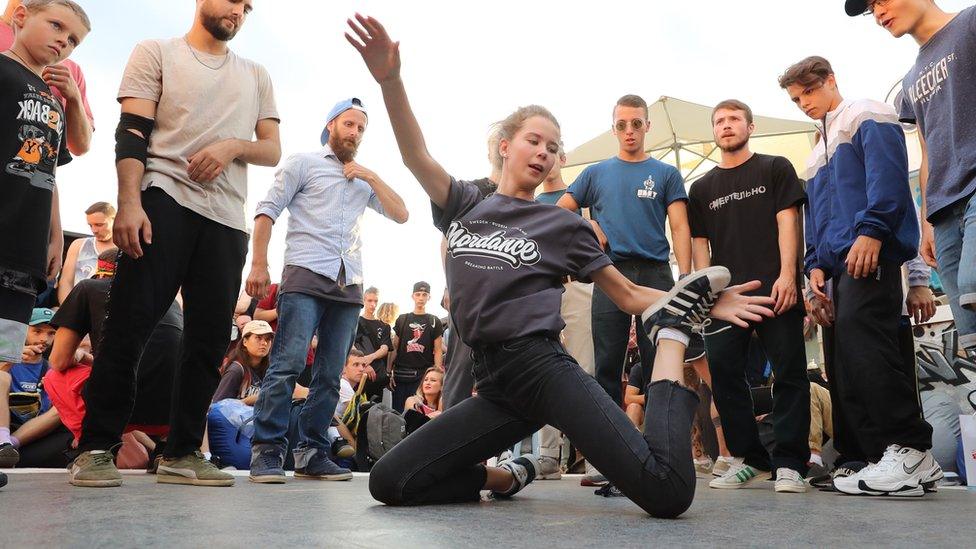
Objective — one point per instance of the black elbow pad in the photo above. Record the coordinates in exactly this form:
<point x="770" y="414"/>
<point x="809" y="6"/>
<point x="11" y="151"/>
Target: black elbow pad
<point x="129" y="144"/>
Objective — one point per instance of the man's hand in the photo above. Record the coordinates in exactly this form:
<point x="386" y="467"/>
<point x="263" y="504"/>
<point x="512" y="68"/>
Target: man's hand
<point x="209" y="162"/>
<point x="921" y="303"/>
<point x="817" y="283"/>
<point x="370" y="373"/>
<point x="58" y="76"/>
<point x="258" y="282"/>
<point x="821" y="310"/>
<point x="31" y="353"/>
<point x="862" y="260"/>
<point x="734" y="307"/>
<point x="380" y="53"/>
<point x="353" y="170"/>
<point x="927" y="248"/>
<point x="600" y="235"/>
<point x="784" y="293"/>
<point x="131" y="222"/>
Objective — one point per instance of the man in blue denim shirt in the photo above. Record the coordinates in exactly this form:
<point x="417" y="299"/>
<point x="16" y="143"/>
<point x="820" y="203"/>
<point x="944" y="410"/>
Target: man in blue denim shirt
<point x="326" y="193"/>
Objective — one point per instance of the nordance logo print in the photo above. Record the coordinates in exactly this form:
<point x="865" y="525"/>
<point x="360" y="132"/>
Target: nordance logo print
<point x="514" y="251"/>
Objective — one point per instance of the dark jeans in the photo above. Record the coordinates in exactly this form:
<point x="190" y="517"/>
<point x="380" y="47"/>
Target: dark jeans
<point x="189" y="253"/>
<point x="782" y="340"/>
<point x="611" y="326"/>
<point x="869" y="359"/>
<point x="524" y="384"/>
<point x="458" y="379"/>
<point x="404" y="390"/>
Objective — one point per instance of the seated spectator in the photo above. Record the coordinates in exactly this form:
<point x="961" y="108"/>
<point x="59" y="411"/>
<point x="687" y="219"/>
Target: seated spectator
<point x="30" y="414"/>
<point x="821" y="421"/>
<point x="634" y="398"/>
<point x="427" y="400"/>
<point x="351" y="395"/>
<point x="241" y="377"/>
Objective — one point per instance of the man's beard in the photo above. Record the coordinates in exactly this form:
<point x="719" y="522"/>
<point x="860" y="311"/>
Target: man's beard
<point x="213" y="25"/>
<point x="343" y="151"/>
<point x="735" y="147"/>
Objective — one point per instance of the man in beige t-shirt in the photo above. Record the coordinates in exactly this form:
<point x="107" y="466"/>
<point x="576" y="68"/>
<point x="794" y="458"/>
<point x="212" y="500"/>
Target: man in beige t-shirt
<point x="194" y="114"/>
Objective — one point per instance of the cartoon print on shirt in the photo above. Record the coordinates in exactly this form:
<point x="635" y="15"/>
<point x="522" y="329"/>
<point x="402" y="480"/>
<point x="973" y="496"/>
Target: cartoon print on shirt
<point x="418" y="332"/>
<point x="648" y="190"/>
<point x="40" y="135"/>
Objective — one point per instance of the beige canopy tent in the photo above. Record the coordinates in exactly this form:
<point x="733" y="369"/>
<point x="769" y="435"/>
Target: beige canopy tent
<point x="681" y="135"/>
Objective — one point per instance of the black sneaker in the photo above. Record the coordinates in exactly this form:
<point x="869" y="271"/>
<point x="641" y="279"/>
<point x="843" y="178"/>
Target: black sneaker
<point x="342" y="449"/>
<point x="3" y="479"/>
<point x="825" y="483"/>
<point x="609" y="491"/>
<point x="314" y="463"/>
<point x="524" y="469"/>
<point x="687" y="305"/>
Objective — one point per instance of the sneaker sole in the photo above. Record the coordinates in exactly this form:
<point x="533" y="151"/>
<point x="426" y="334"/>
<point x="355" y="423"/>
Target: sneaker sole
<point x="112" y="483"/>
<point x="790" y="489"/>
<point x="591" y="484"/>
<point x="346" y="476"/>
<point x="186" y="481"/>
<point x="268" y="479"/>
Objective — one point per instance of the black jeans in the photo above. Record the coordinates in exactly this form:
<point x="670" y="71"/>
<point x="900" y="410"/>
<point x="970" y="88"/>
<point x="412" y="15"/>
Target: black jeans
<point x="524" y="384"/>
<point x="782" y="340"/>
<point x="870" y="365"/>
<point x="189" y="253"/>
<point x="611" y="326"/>
<point x="458" y="379"/>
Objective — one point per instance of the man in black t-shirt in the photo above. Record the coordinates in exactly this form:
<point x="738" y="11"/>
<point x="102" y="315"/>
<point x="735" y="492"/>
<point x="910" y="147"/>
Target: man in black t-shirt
<point x="373" y="338"/>
<point x="744" y="215"/>
<point x="417" y="338"/>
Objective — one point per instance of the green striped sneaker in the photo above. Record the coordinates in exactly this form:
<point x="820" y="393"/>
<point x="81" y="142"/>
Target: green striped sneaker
<point x="739" y="475"/>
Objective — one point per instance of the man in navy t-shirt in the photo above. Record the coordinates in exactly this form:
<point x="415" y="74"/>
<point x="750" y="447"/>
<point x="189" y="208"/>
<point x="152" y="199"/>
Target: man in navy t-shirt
<point x="937" y="95"/>
<point x="630" y="196"/>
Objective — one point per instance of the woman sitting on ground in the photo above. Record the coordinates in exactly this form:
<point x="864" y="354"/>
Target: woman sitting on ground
<point x="241" y="376"/>
<point x="427" y="401"/>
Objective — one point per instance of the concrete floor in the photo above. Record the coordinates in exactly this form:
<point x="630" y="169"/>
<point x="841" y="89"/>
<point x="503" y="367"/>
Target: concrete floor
<point x="39" y="509"/>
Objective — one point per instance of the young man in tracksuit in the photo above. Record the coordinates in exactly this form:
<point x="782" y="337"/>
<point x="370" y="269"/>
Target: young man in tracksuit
<point x="860" y="228"/>
<point x="936" y="95"/>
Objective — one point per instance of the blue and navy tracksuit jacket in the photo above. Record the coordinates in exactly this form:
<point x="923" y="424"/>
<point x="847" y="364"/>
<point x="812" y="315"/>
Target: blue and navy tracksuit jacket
<point x="857" y="184"/>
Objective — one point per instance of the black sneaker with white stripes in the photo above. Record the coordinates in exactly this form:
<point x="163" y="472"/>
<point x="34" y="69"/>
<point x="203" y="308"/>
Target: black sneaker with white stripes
<point x="687" y="305"/>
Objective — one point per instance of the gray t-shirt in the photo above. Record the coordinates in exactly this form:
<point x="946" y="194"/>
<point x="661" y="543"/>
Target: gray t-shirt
<point x="937" y="96"/>
<point x="304" y="281"/>
<point x="506" y="259"/>
<point x="197" y="106"/>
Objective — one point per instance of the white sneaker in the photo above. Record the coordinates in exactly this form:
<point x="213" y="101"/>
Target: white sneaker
<point x="902" y="472"/>
<point x="789" y="481"/>
<point x="738" y="476"/>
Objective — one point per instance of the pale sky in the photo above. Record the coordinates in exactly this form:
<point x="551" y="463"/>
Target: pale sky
<point x="468" y="64"/>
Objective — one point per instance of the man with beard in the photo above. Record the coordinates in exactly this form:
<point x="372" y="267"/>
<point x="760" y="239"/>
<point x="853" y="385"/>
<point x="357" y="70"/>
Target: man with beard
<point x="321" y="292"/>
<point x="181" y="154"/>
<point x="81" y="261"/>
<point x="744" y="214"/>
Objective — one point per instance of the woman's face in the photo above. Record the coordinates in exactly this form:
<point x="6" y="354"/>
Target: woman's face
<point x="530" y="154"/>
<point x="432" y="383"/>
<point x="258" y="346"/>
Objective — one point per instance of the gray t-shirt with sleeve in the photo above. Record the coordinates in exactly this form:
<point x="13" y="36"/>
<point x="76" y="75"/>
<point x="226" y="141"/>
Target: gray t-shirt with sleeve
<point x="200" y="99"/>
<point x="506" y="259"/>
<point x="937" y="95"/>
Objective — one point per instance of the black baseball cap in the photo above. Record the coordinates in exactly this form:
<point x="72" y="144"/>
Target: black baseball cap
<point x="855" y="7"/>
<point x="421" y="287"/>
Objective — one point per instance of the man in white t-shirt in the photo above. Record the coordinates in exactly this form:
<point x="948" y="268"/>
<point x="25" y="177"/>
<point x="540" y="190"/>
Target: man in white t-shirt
<point x="181" y="154"/>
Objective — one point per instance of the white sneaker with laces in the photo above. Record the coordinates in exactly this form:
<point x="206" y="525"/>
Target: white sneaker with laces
<point x="902" y="472"/>
<point x="738" y="476"/>
<point x="789" y="481"/>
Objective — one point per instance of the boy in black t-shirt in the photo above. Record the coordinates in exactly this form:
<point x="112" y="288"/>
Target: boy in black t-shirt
<point x="32" y="144"/>
<point x="417" y="338"/>
<point x="744" y="215"/>
<point x="373" y="337"/>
